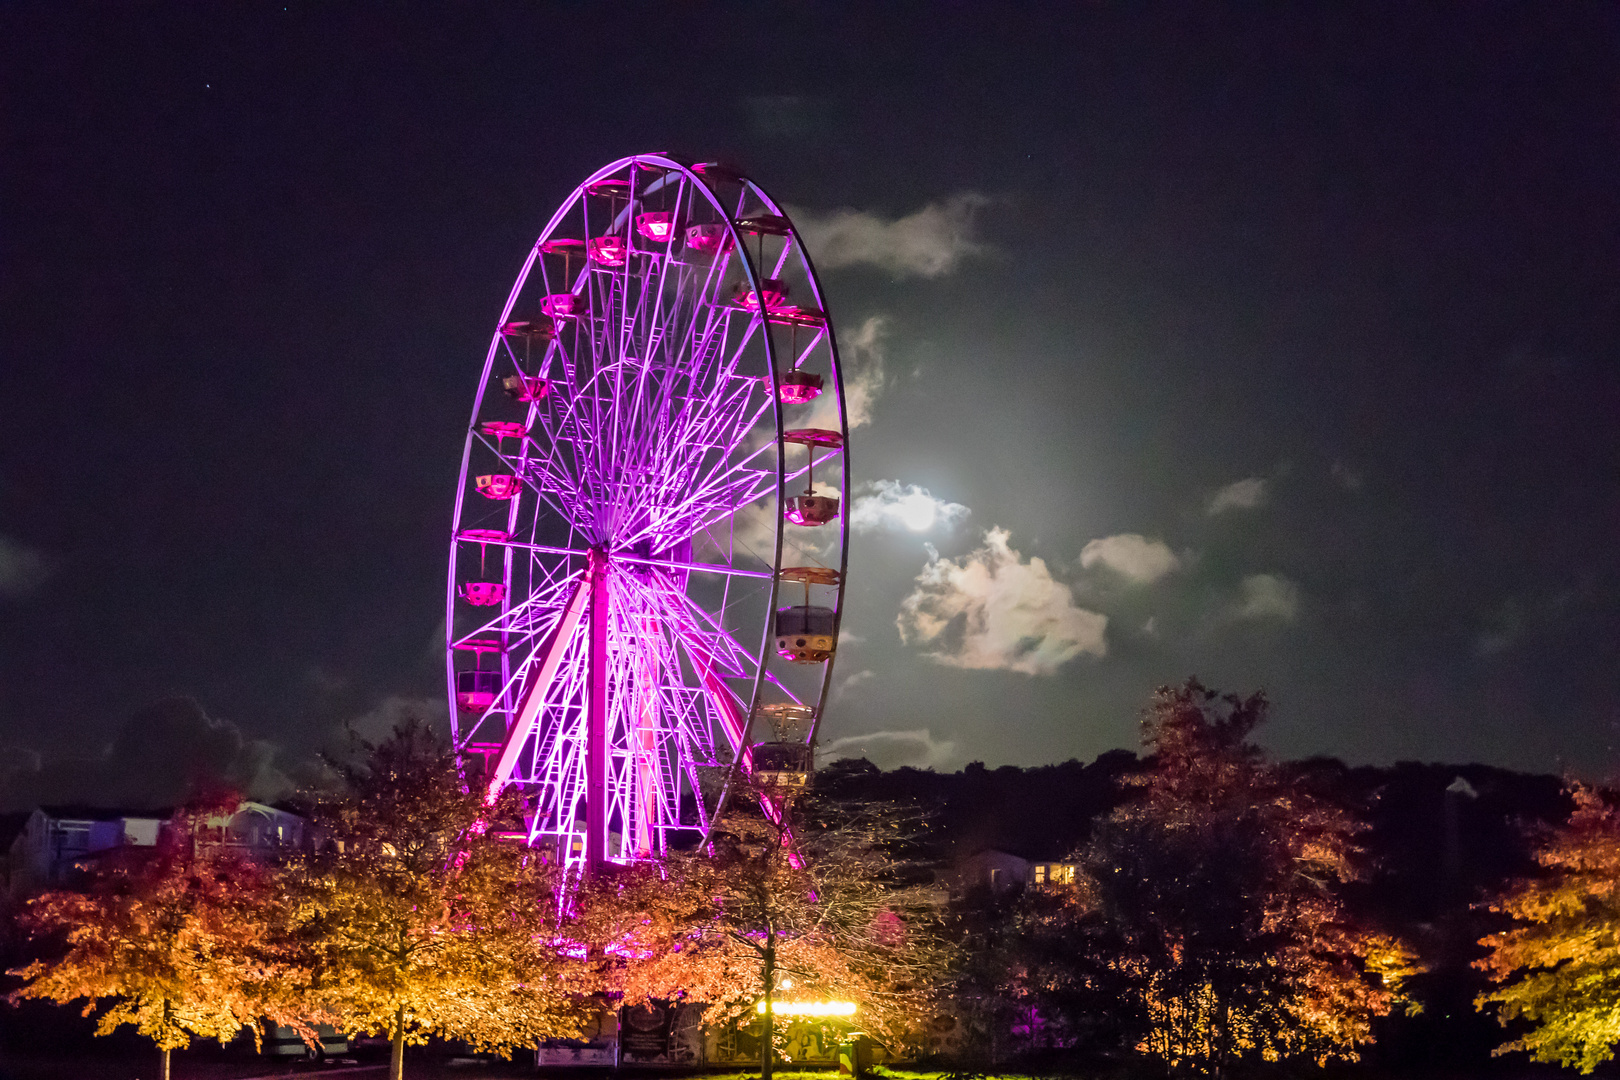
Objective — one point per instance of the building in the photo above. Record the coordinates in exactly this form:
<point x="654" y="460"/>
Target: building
<point x="56" y="840"/>
<point x="1002" y="872"/>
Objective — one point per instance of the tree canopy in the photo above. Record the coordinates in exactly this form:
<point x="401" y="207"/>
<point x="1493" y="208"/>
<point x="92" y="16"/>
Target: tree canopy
<point x="417" y="919"/>
<point x="808" y="901"/>
<point x="1558" y="966"/>
<point x="169" y="937"/>
<point x="1216" y="889"/>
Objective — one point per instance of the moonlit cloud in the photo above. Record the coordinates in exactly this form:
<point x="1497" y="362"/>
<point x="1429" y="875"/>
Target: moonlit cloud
<point x="861" y="353"/>
<point x="892" y="749"/>
<point x="22" y="569"/>
<point x="1268" y="596"/>
<point x="1249" y="494"/>
<point x="1131" y="555"/>
<point x="993" y="609"/>
<point x="852" y="681"/>
<point x="928" y="243"/>
<point x="889" y="504"/>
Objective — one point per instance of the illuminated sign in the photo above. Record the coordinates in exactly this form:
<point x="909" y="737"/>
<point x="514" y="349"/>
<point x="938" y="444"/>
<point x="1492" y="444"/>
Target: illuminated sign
<point x="809" y="1008"/>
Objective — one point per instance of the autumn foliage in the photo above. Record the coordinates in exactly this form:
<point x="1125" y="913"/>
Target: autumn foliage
<point x="169" y="939"/>
<point x="1207" y="922"/>
<point x="805" y="903"/>
<point x="415" y="919"/>
<point x="1558" y="967"/>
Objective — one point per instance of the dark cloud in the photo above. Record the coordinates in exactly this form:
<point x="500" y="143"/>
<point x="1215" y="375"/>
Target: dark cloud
<point x="162" y="755"/>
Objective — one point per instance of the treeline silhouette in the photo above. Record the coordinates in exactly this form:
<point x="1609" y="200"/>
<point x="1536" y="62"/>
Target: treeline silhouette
<point x="1440" y="839"/>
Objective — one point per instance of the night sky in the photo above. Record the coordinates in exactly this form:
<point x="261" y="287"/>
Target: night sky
<point x="1275" y="344"/>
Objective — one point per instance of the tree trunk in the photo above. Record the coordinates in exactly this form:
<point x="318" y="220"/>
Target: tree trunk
<point x="767" y="1052"/>
<point x="165" y="1070"/>
<point x="396" y="1057"/>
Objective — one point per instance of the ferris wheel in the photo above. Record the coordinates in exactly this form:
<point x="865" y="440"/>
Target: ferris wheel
<point x="648" y="555"/>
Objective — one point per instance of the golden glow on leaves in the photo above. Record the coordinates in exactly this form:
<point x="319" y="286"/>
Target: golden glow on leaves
<point x="1559" y="966"/>
<point x="166" y="936"/>
<point x="824" y="905"/>
<point x="1219" y="886"/>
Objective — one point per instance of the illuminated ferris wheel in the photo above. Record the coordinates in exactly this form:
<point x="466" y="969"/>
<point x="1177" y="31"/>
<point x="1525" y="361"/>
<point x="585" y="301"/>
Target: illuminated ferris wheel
<point x="648" y="556"/>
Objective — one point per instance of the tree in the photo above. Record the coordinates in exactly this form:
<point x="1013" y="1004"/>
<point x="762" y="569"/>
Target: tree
<point x="1217" y="887"/>
<point x="172" y="936"/>
<point x="811" y="898"/>
<point x="1558" y="967"/>
<point x="418" y="919"/>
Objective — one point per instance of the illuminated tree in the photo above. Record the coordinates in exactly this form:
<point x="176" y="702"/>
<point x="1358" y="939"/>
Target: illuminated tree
<point x="813" y="903"/>
<point x="419" y="920"/>
<point x="1217" y="886"/>
<point x="1559" y="966"/>
<point x="171" y="936"/>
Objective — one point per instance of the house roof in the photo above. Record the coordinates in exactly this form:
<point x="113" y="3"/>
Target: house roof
<point x="81" y="812"/>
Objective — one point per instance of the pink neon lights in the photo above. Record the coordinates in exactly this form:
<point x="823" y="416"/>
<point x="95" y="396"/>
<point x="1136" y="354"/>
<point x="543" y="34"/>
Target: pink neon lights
<point x="713" y="239"/>
<point x="483" y="593"/>
<point x="774" y="291"/>
<point x="651" y="424"/>
<point x="657" y="226"/>
<point x="811" y="510"/>
<point x="608" y="250"/>
<point x="798" y="387"/>
<point x="796" y="316"/>
<point x="562" y="305"/>
<point x="503" y="429"/>
<point x="525" y="388"/>
<point x="528" y="328"/>
<point x="499" y="486"/>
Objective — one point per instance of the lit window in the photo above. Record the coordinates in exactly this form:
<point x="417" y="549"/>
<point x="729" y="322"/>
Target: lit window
<point x="1040" y="873"/>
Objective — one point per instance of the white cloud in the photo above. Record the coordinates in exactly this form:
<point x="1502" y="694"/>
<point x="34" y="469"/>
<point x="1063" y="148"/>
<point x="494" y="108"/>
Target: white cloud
<point x="892" y="749"/>
<point x="852" y="681"/>
<point x="890" y="504"/>
<point x="1131" y="555"/>
<point x="849" y="637"/>
<point x="992" y="609"/>
<point x="22" y="569"/>
<point x="865" y="378"/>
<point x="1268" y="596"/>
<point x="1249" y="494"/>
<point x="928" y="243"/>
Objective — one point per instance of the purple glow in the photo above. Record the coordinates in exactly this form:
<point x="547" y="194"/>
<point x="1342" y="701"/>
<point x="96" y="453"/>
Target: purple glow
<point x="608" y="250"/>
<point x="624" y="474"/>
<point x="657" y="226"/>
